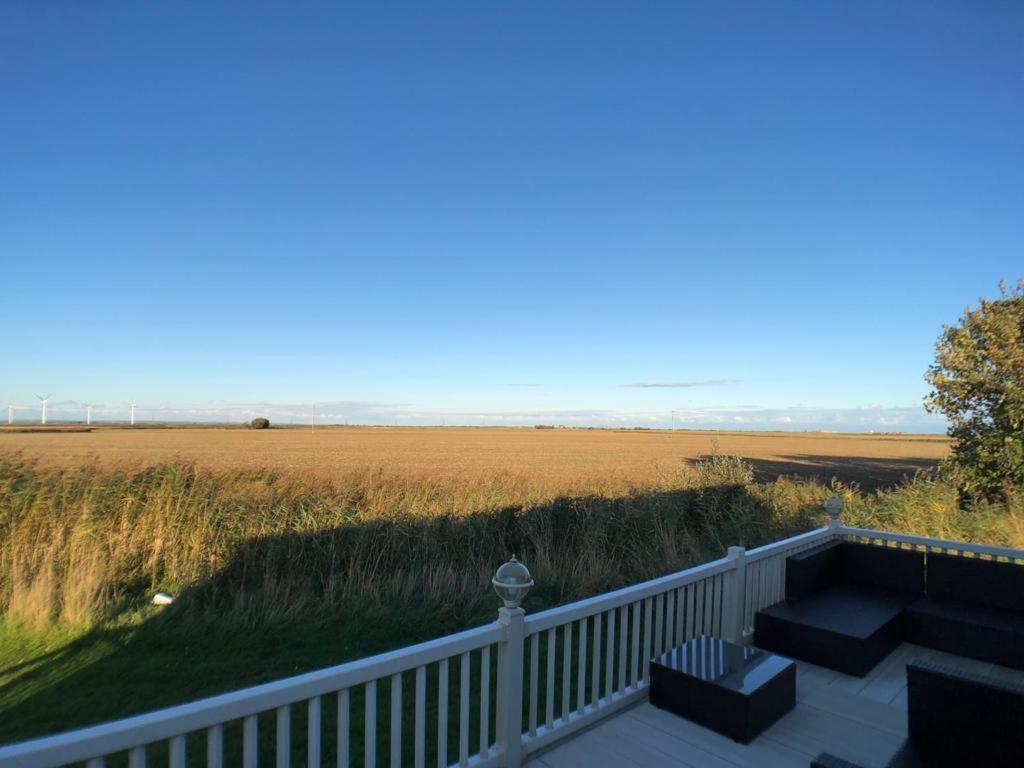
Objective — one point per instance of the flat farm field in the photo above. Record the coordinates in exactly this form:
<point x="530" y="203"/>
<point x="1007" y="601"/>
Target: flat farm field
<point x="555" y="459"/>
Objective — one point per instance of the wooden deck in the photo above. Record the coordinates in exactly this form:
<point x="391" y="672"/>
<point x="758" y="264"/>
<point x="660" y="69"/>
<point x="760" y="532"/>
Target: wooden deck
<point x="860" y="719"/>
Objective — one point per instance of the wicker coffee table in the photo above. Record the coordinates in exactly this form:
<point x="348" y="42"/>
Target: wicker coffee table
<point x="735" y="690"/>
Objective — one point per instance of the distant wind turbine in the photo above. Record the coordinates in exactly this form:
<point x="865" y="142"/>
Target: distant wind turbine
<point x="88" y="414"/>
<point x="10" y="414"/>
<point x="132" y="419"/>
<point x="42" y="409"/>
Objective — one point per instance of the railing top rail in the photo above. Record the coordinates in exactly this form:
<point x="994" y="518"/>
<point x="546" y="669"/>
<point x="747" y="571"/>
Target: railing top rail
<point x="119" y="735"/>
<point x="928" y="541"/>
<point x="783" y="545"/>
<point x="563" y="614"/>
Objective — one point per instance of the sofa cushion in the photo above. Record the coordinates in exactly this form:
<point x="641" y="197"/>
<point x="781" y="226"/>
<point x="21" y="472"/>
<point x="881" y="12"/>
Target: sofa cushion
<point x="865" y="565"/>
<point x="884" y="568"/>
<point x="813" y="569"/>
<point x="967" y="629"/>
<point x="845" y="628"/>
<point x="983" y="582"/>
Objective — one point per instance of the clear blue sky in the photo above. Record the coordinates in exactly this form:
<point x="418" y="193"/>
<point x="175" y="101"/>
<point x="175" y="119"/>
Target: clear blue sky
<point x="503" y="212"/>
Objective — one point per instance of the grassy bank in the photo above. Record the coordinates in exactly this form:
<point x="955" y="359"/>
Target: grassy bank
<point x="277" y="573"/>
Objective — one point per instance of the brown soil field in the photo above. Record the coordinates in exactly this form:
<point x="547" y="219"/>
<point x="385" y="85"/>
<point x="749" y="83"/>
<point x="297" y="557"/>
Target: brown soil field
<point x="554" y="458"/>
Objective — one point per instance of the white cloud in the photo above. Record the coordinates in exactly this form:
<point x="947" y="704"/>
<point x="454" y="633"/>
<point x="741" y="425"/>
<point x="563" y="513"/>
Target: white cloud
<point x="679" y="384"/>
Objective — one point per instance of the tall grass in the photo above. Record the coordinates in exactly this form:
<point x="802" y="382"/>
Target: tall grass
<point x="82" y="545"/>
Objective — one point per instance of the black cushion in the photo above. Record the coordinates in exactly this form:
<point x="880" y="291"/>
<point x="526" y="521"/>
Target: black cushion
<point x="847" y="610"/>
<point x="849" y="629"/>
<point x="957" y="719"/>
<point x="813" y="569"/>
<point x="967" y="629"/>
<point x="884" y="568"/>
<point x="981" y="582"/>
<point x="865" y="565"/>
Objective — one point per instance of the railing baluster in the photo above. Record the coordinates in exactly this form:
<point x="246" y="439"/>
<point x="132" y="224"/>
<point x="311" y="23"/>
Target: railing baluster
<point x="722" y="597"/>
<point x="634" y="673"/>
<point x="595" y="672"/>
<point x="581" y="669"/>
<point x="420" y="747"/>
<point x="485" y="701"/>
<point x="343" y="729"/>
<point x="464" y="709"/>
<point x="670" y="619"/>
<point x="284" y="737"/>
<point x="313" y="733"/>
<point x="709" y="606"/>
<point x="780" y="578"/>
<point x="137" y="757"/>
<point x="609" y="658"/>
<point x="645" y="646"/>
<point x="749" y="599"/>
<point x="549" y="688"/>
<point x="250" y="743"/>
<point x="370" y="726"/>
<point x="176" y="752"/>
<point x="396" y="720"/>
<point x="215" y="746"/>
<point x="659" y="625"/>
<point x="566" y="669"/>
<point x="623" y="659"/>
<point x="680" y="617"/>
<point x="701" y="596"/>
<point x="761" y="583"/>
<point x="712" y="607"/>
<point x="691" y="611"/>
<point x="442" y="714"/>
<point x="534" y="648"/>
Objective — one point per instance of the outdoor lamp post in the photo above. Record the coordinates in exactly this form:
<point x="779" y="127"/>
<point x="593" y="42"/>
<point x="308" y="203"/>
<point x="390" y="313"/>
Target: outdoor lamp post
<point x="511" y="582"/>
<point x="834" y="506"/>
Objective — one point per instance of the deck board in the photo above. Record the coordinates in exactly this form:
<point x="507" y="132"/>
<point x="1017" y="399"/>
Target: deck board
<point x="859" y="719"/>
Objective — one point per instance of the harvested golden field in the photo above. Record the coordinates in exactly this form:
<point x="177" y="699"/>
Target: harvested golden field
<point x="552" y="459"/>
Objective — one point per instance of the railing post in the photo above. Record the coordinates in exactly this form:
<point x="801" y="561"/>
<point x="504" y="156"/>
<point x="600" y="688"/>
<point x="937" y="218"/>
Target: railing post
<point x="737" y="594"/>
<point x="834" y="507"/>
<point x="509" y="730"/>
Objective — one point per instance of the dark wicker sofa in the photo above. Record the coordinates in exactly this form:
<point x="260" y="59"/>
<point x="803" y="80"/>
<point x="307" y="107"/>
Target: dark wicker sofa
<point x="844" y="606"/>
<point x="955" y="719"/>
<point x="972" y="608"/>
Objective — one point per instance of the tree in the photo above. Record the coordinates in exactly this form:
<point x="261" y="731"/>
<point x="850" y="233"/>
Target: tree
<point x="978" y="380"/>
<point x="259" y="423"/>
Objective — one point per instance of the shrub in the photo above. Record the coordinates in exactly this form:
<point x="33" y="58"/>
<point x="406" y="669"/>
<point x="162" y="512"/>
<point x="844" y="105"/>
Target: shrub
<point x="259" y="423"/>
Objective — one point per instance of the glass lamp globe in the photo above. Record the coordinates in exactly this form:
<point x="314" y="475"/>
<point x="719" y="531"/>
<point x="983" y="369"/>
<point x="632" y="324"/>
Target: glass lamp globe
<point x="511" y="582"/>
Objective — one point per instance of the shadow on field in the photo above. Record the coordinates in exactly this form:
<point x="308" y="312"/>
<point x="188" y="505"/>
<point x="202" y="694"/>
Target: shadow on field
<point x="292" y="603"/>
<point x="868" y="472"/>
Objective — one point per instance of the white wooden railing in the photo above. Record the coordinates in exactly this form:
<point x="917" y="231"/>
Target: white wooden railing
<point x="502" y="691"/>
<point x="930" y="544"/>
<point x="165" y="736"/>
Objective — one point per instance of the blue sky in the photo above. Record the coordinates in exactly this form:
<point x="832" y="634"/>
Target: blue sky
<point x="503" y="212"/>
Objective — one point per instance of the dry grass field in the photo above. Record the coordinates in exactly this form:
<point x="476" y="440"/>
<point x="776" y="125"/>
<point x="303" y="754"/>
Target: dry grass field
<point x="288" y="550"/>
<point x="557" y="460"/>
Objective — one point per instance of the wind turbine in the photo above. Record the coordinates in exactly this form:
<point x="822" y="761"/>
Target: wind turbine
<point x="88" y="414"/>
<point x="674" y="412"/>
<point x="132" y="420"/>
<point x="10" y="414"/>
<point x="42" y="410"/>
<point x="312" y="418"/>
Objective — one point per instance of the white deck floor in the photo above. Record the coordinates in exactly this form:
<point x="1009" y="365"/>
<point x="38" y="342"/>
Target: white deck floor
<point x="861" y="719"/>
